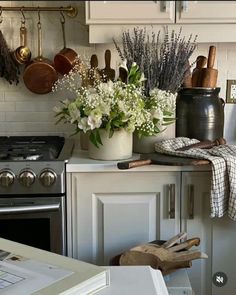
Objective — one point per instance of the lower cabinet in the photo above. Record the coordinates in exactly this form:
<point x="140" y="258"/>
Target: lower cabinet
<point x="111" y="212"/>
<point x="196" y="221"/>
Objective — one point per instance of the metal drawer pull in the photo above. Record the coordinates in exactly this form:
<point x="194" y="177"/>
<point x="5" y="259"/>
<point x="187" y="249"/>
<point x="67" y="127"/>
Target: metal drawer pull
<point x="191" y="201"/>
<point x="29" y="209"/>
<point x="165" y="6"/>
<point x="172" y="201"/>
<point x="184" y="6"/>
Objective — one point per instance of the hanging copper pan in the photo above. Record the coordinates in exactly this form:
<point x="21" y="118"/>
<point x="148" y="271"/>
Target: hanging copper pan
<point x="66" y="59"/>
<point x="40" y="75"/>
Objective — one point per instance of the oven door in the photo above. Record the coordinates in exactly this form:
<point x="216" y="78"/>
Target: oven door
<point x="34" y="221"/>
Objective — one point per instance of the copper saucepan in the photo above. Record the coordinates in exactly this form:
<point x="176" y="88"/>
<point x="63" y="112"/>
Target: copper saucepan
<point x="40" y="75"/>
<point x="66" y="59"/>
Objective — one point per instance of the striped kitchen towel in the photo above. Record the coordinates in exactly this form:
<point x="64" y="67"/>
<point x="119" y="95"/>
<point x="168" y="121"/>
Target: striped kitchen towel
<point x="223" y="159"/>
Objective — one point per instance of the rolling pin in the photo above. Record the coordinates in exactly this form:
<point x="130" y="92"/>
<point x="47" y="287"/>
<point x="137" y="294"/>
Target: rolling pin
<point x="209" y="74"/>
<point x="197" y="72"/>
<point x="206" y="144"/>
<point x="187" y="83"/>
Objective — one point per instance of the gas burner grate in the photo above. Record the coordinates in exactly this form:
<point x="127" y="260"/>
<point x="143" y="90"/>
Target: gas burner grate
<point x="18" y="148"/>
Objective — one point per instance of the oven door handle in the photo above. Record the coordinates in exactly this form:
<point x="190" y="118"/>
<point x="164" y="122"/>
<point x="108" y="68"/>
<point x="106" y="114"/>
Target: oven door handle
<point x="29" y="209"/>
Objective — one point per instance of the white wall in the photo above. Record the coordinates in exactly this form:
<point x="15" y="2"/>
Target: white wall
<point x="22" y="112"/>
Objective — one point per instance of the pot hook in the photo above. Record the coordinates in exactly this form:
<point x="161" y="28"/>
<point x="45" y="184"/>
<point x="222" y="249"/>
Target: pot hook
<point x="23" y="17"/>
<point x="1" y="19"/>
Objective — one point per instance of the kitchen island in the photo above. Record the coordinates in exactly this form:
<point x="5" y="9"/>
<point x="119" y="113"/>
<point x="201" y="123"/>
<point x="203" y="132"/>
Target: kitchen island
<point x="27" y="270"/>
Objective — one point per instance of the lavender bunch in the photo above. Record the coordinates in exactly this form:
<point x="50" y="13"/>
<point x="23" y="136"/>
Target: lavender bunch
<point x="164" y="64"/>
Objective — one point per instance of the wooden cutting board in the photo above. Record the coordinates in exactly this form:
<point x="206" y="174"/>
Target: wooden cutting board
<point x="161" y="159"/>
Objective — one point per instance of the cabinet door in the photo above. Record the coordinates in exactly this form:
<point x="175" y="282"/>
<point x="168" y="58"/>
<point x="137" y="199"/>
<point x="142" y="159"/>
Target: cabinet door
<point x="223" y="255"/>
<point x="196" y="222"/>
<point x="130" y="12"/>
<point x="205" y="12"/>
<point x="112" y="212"/>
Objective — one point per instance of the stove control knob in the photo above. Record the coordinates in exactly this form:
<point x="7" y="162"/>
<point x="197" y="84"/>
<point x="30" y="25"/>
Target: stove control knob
<point x="6" y="178"/>
<point x="47" y="177"/>
<point x="27" y="178"/>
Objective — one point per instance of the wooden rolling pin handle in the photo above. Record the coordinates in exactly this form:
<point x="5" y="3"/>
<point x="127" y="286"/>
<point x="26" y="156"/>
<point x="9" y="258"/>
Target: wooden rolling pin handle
<point x="201" y="62"/>
<point x="207" y="144"/>
<point x="211" y="57"/>
<point x="133" y="164"/>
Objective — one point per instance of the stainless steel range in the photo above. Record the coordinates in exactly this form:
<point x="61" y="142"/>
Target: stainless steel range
<point x="33" y="191"/>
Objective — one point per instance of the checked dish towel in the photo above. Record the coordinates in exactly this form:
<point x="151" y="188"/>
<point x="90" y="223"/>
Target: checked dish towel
<point x="223" y="159"/>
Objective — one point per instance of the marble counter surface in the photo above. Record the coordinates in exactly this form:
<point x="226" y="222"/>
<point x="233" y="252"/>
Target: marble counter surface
<point x="80" y="162"/>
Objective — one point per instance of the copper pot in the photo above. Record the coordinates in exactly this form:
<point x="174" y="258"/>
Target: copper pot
<point x="66" y="59"/>
<point x="40" y="75"/>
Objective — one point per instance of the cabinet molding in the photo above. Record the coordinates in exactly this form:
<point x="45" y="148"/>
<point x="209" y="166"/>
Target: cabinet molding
<point x="118" y="218"/>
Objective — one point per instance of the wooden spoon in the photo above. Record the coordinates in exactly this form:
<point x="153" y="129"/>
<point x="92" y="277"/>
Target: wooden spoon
<point x="107" y="73"/>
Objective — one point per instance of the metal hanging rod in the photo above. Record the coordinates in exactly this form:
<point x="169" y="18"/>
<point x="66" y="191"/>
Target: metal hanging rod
<point x="70" y="10"/>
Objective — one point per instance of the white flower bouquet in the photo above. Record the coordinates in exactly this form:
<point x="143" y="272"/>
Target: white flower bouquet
<point x="159" y="112"/>
<point x="115" y="105"/>
<point x="111" y="106"/>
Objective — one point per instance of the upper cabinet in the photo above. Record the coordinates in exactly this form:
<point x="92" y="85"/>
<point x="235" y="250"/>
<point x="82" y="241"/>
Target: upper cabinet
<point x="130" y="12"/>
<point x="212" y="21"/>
<point x="198" y="12"/>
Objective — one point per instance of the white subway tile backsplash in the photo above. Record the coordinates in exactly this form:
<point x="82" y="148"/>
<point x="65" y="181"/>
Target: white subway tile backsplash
<point x="25" y="113"/>
<point x="2" y="116"/>
<point x="30" y="117"/>
<point x="7" y="106"/>
<point x="34" y="106"/>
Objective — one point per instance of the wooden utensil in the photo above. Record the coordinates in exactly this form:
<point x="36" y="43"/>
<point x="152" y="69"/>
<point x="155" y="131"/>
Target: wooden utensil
<point x="123" y="75"/>
<point x="107" y="73"/>
<point x="209" y="74"/>
<point x="206" y="144"/>
<point x="159" y="258"/>
<point x="93" y="73"/>
<point x="66" y="59"/>
<point x="160" y="159"/>
<point x="197" y="72"/>
<point x="188" y="77"/>
<point x="169" y="243"/>
<point x="40" y="75"/>
<point x="185" y="245"/>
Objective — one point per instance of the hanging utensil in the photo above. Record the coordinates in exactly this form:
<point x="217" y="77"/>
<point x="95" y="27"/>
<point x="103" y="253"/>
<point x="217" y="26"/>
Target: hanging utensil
<point x="8" y="67"/>
<point x="22" y="54"/>
<point x="66" y="59"/>
<point x="40" y="75"/>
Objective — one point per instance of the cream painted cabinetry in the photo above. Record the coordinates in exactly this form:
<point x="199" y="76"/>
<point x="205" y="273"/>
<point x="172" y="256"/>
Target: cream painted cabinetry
<point x="160" y="12"/>
<point x="205" y="12"/>
<point x="212" y="21"/>
<point x="196" y="221"/>
<point x="130" y="12"/>
<point x="112" y="212"/>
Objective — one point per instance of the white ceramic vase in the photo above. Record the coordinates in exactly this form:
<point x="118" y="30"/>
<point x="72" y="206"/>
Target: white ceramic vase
<point x="117" y="147"/>
<point x="147" y="144"/>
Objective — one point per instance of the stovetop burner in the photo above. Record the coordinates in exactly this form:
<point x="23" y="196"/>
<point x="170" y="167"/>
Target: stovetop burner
<point x="18" y="148"/>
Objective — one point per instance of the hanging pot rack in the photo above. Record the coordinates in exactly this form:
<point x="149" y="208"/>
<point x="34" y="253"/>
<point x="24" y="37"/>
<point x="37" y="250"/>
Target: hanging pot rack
<point x="71" y="11"/>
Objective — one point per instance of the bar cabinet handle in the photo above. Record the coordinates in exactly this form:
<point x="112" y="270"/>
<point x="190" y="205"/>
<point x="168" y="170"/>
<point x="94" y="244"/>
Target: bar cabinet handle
<point x="172" y="201"/>
<point x="191" y="201"/>
<point x="30" y="209"/>
<point x="184" y="6"/>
